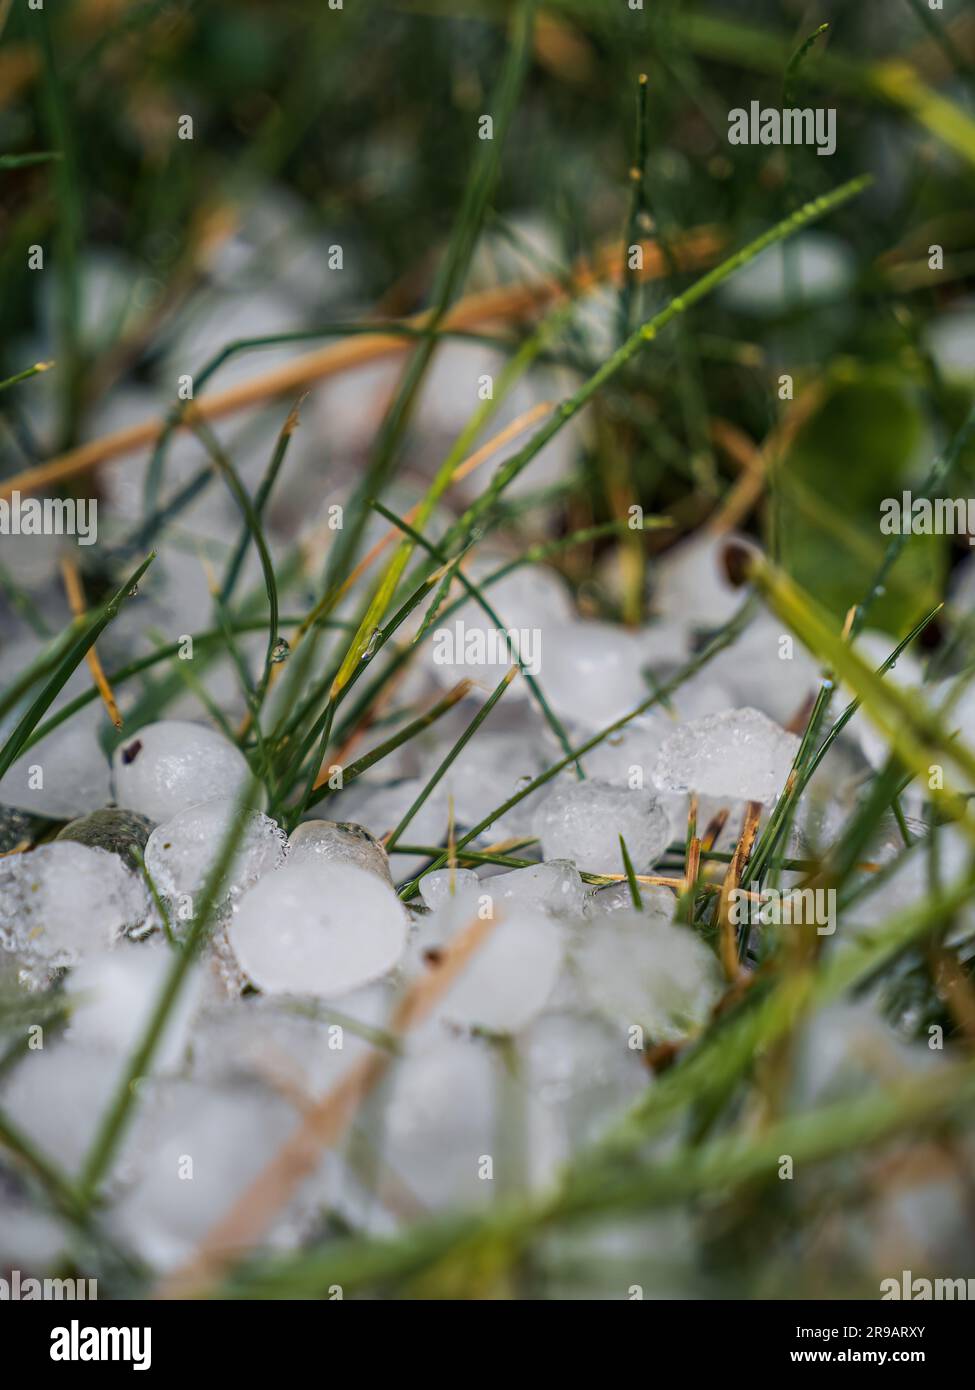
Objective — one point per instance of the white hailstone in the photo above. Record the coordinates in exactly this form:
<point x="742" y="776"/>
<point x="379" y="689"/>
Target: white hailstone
<point x="951" y="340"/>
<point x="814" y="267"/>
<point x="657" y="901"/>
<point x="627" y="757"/>
<point x="173" y="764"/>
<point x="182" y="852"/>
<point x="579" y="1074"/>
<point x="440" y="1119"/>
<point x="765" y="669"/>
<point x="320" y="929"/>
<point x="451" y="914"/>
<point x="444" y="884"/>
<point x="63" y="901"/>
<point x="510" y="977"/>
<point x="111" y="998"/>
<point x="640" y="971"/>
<point x="554" y="885"/>
<point x="74" y="772"/>
<point x="591" y="672"/>
<point x="740" y="754"/>
<point x="343" y="842"/>
<point x="58" y="1095"/>
<point x="907" y="673"/>
<point x="199" y="1147"/>
<point x="583" y="822"/>
<point x="691" y="586"/>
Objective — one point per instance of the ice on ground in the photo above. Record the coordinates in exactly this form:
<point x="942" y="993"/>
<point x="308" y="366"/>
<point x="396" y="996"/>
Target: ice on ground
<point x="640" y="971"/>
<point x="299" y="1051"/>
<point x="343" y="842"/>
<point x="64" y="901"/>
<point x="171" y="765"/>
<point x="740" y="754"/>
<point x="554" y="886"/>
<point x="74" y="772"/>
<point x="440" y="1118"/>
<point x="182" y="852"/>
<point x="112" y="830"/>
<point x="591" y="672"/>
<point x="320" y="929"/>
<point x="691" y="586"/>
<point x="657" y="901"/>
<point x="198" y="1149"/>
<point x="58" y="1095"/>
<point x="111" y="998"/>
<point x="508" y="980"/>
<point x="381" y="810"/>
<point x="580" y="1074"/>
<point x="583" y="822"/>
<point x="628" y="756"/>
<point x="444" y="884"/>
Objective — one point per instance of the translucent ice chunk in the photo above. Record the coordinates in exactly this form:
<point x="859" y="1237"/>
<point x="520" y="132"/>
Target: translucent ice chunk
<point x="554" y="885"/>
<point x="321" y="929"/>
<point x="444" y="884"/>
<point x="343" y="842"/>
<point x="183" y="850"/>
<point x="646" y="972"/>
<point x="739" y="754"/>
<point x="583" y="822"/>
<point x="169" y="766"/>
<point x="509" y="978"/>
<point x="62" y="901"/>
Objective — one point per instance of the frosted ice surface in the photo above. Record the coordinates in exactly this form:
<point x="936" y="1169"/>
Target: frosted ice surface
<point x="583" y="822"/>
<point x="199" y="1147"/>
<point x="554" y="885"/>
<point x="183" y="850"/>
<point x="63" y="901"/>
<point x="657" y="900"/>
<point x="509" y="978"/>
<point x="591" y="672"/>
<point x="344" y="842"/>
<point x="440" y="1116"/>
<point x="320" y="929"/>
<point x="111" y="997"/>
<point x="169" y="766"/>
<point x="643" y="971"/>
<point x="630" y="752"/>
<point x="443" y="884"/>
<point x="741" y="754"/>
<point x="488" y="771"/>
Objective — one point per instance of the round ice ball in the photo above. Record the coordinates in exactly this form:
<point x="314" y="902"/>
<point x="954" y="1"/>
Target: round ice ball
<point x="183" y="851"/>
<point x="320" y="929"/>
<point x="173" y="764"/>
